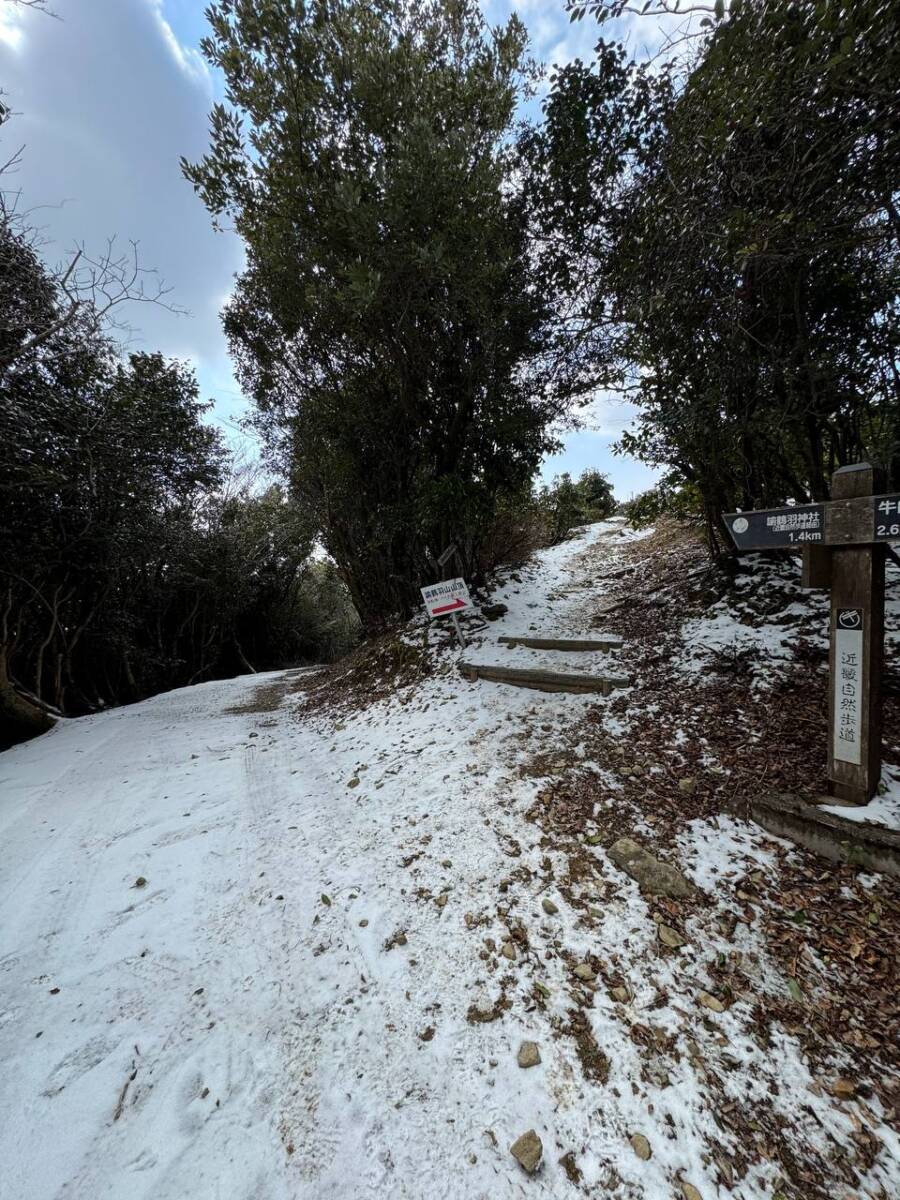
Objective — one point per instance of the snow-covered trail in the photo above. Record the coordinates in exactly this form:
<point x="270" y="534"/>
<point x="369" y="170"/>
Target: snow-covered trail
<point x="249" y="953"/>
<point x="195" y="997"/>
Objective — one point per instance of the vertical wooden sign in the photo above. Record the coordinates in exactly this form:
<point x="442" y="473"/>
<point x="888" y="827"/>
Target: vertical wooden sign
<point x="856" y="653"/>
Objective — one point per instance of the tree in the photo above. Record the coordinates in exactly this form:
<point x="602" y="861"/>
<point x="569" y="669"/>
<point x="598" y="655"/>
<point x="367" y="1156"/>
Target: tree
<point x="744" y="249"/>
<point x="388" y="324"/>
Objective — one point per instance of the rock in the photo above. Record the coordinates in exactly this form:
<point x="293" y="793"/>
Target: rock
<point x="446" y="863"/>
<point x="594" y="839"/>
<point x="441" y="901"/>
<point x="542" y="989"/>
<point x="140" y="882"/>
<point x="570" y="1166"/>
<point x="670" y="937"/>
<point x="621" y="994"/>
<point x="494" y="612"/>
<point x="549" y="907"/>
<point x="690" y="1192"/>
<point x="640" y="1146"/>
<point x="509" y="951"/>
<point x="252" y="735"/>
<point x="687" y="785"/>
<point x="529" y="1055"/>
<point x="586" y="972"/>
<point x="652" y="876"/>
<point x="354" y="782"/>
<point x="363" y="923"/>
<point x="843" y="1087"/>
<point x="710" y="1002"/>
<point x="656" y="1072"/>
<point x="527" y="1151"/>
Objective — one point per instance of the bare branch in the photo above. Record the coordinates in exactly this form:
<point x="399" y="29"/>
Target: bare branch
<point x="90" y="289"/>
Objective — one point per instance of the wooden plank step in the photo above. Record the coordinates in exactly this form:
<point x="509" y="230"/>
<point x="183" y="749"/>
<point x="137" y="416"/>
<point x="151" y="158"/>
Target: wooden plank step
<point x="568" y="644"/>
<point x="543" y="681"/>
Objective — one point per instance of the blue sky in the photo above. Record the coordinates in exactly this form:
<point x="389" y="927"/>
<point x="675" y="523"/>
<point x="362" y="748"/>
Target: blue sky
<point x="110" y="94"/>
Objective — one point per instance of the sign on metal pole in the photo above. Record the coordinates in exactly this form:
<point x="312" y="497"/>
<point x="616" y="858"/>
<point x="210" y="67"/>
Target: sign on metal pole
<point x="449" y="597"/>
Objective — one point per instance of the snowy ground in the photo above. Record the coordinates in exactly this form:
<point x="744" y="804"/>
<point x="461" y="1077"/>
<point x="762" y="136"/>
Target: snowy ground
<point x="247" y="955"/>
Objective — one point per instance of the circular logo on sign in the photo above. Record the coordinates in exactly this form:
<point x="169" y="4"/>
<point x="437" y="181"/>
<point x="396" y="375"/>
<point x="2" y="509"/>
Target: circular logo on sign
<point x="850" y="618"/>
<point x="740" y="525"/>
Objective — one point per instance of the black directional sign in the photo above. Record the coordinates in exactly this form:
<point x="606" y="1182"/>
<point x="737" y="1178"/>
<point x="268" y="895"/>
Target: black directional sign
<point x="770" y="528"/>
<point x="887" y="518"/>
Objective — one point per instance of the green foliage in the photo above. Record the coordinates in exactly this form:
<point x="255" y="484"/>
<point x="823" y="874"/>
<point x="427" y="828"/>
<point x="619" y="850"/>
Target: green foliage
<point x="730" y="224"/>
<point x="388" y="324"/>
<point x="565" y="504"/>
<point x="670" y="497"/>
<point x="126" y="564"/>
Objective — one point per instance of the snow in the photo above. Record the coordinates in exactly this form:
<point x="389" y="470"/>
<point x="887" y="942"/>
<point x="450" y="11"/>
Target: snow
<point x="235" y="1025"/>
<point x="882" y="809"/>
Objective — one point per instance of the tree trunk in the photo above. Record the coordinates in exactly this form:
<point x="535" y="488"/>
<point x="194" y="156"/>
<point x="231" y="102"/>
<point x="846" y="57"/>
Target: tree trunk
<point x="20" y="719"/>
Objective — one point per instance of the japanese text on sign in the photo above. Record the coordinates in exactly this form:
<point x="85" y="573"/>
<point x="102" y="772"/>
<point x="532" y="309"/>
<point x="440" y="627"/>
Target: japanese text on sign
<point x="887" y="518"/>
<point x="847" y="684"/>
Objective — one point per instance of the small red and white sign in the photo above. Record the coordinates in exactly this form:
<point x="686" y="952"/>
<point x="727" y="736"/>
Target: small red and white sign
<point x="447" y="599"/>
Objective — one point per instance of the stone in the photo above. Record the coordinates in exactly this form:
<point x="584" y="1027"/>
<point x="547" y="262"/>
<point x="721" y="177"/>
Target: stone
<point x="527" y="1151"/>
<point x="494" y="612"/>
<point x="656" y="1072"/>
<point x="352" y="783"/>
<point x="586" y="972"/>
<point x="509" y="951"/>
<point x="640" y="1146"/>
<point x="687" y="785"/>
<point x="549" y="907"/>
<point x="690" y="1192"/>
<point x="529" y="1055"/>
<point x="594" y="839"/>
<point x="363" y="923"/>
<point x="621" y="994"/>
<point x="446" y="863"/>
<point x="670" y="937"/>
<point x="653" y="877"/>
<point x="140" y="882"/>
<point x="710" y="1002"/>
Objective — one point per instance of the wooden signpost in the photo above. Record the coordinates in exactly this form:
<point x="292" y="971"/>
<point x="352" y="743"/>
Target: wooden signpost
<point x="844" y="542"/>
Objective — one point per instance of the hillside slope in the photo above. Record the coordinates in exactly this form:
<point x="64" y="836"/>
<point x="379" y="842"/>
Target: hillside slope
<point x="260" y="939"/>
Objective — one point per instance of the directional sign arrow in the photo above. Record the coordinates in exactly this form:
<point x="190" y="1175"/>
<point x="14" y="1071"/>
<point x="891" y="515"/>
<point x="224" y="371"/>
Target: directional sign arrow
<point x="454" y="607"/>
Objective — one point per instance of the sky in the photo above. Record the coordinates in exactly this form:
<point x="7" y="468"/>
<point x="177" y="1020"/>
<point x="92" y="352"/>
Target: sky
<point x="108" y="95"/>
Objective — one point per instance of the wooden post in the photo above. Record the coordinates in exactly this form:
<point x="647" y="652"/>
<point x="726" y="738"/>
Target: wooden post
<point x="856" y="653"/>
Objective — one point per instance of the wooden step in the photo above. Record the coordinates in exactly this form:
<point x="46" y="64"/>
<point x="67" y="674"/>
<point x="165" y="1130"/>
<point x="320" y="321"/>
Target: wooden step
<point x="543" y="681"/>
<point x="567" y="644"/>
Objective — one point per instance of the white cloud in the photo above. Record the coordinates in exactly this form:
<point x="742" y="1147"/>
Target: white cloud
<point x="12" y="26"/>
<point x="189" y="60"/>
